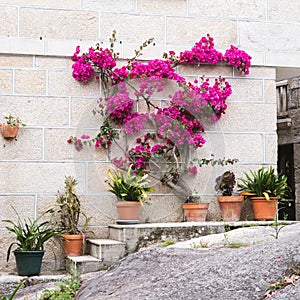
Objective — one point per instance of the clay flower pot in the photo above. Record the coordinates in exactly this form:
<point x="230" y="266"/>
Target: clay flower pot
<point x="195" y="212"/>
<point x="128" y="210"/>
<point x="231" y="207"/>
<point x="73" y="244"/>
<point x="9" y="132"/>
<point x="264" y="209"/>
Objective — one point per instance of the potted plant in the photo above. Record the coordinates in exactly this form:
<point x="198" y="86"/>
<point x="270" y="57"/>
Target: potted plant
<point x="67" y="214"/>
<point x="10" y="129"/>
<point x="265" y="188"/>
<point x="194" y="210"/>
<point x="131" y="190"/>
<point x="230" y="205"/>
<point x="31" y="236"/>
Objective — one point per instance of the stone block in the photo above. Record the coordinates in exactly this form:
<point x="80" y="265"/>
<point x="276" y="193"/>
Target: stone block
<point x="245" y="147"/>
<point x="6" y="81"/>
<point x="34" y="23"/>
<point x="243" y="9"/>
<point x="38" y="111"/>
<point x="53" y="62"/>
<point x="257" y="35"/>
<point x="283" y="59"/>
<point x="30" y="82"/>
<point x="57" y="148"/>
<point x="9" y="21"/>
<point x="45" y="3"/>
<point x="62" y="83"/>
<point x="246" y="90"/>
<point x="38" y="177"/>
<point x="223" y="32"/>
<point x="107" y="5"/>
<point x="133" y="28"/>
<point x="259" y="72"/>
<point x="278" y="10"/>
<point x="82" y="115"/>
<point x="24" y="205"/>
<point x="28" y="145"/>
<point x="101" y="207"/>
<point x="271" y="148"/>
<point x="97" y="174"/>
<point x="207" y="70"/>
<point x="15" y="60"/>
<point x="270" y="91"/>
<point x="167" y="7"/>
<point x="243" y="117"/>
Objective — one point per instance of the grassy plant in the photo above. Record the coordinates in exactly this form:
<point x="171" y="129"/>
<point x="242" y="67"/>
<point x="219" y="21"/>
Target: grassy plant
<point x="167" y="243"/>
<point x="14" y="292"/>
<point x="236" y="245"/>
<point x="278" y="225"/>
<point x="200" y="244"/>
<point x="30" y="234"/>
<point x="67" y="290"/>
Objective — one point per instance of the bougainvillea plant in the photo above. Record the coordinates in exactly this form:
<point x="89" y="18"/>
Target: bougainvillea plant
<point x="133" y="102"/>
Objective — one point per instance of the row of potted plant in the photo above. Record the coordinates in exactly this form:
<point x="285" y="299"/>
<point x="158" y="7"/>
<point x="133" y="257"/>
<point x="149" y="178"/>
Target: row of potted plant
<point x="265" y="187"/>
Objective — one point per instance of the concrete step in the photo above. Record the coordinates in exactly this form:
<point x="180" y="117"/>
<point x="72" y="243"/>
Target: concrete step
<point x="106" y="250"/>
<point x="100" y="254"/>
<point x="83" y="264"/>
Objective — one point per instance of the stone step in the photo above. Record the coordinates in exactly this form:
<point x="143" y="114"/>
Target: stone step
<point x="100" y="254"/>
<point x="83" y="264"/>
<point x="106" y="250"/>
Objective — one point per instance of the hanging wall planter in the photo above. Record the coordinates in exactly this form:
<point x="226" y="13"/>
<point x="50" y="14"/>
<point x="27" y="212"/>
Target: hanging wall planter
<point x="9" y="132"/>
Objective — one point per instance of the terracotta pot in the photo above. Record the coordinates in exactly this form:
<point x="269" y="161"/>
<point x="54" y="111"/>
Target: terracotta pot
<point x="73" y="244"/>
<point x="195" y="212"/>
<point x="264" y="209"/>
<point x="128" y="210"/>
<point x="231" y="207"/>
<point x="9" y="132"/>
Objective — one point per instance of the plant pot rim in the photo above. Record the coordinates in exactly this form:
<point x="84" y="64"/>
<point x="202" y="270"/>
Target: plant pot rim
<point x="28" y="251"/>
<point x="72" y="236"/>
<point x="234" y="198"/>
<point x="262" y="198"/>
<point x="206" y="204"/>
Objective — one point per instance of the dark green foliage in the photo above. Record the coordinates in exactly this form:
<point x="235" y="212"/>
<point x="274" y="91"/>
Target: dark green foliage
<point x="264" y="183"/>
<point x="30" y="234"/>
<point x="225" y="183"/>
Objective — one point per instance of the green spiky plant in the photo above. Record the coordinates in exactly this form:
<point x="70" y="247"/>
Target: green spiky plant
<point x="30" y="234"/>
<point x="264" y="183"/>
<point x="129" y="187"/>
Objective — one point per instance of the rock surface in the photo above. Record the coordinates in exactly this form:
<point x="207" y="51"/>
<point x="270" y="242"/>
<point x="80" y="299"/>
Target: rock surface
<point x="216" y="272"/>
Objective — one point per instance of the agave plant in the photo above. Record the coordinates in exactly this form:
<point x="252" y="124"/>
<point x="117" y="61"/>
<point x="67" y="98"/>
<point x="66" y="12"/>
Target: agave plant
<point x="264" y="183"/>
<point x="30" y="234"/>
<point x="129" y="187"/>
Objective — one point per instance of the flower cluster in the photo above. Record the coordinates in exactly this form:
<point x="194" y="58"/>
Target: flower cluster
<point x="238" y="58"/>
<point x="176" y="124"/>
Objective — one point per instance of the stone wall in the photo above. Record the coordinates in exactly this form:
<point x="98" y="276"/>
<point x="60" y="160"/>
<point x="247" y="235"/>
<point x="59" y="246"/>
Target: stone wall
<point x="291" y="134"/>
<point x="37" y="39"/>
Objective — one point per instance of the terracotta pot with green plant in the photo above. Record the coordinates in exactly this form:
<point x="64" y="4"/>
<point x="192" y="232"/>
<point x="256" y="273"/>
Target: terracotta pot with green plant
<point x="131" y="190"/>
<point x="9" y="130"/>
<point x="66" y="215"/>
<point x="265" y="188"/>
<point x="31" y="235"/>
<point x="194" y="210"/>
<point x="230" y="205"/>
